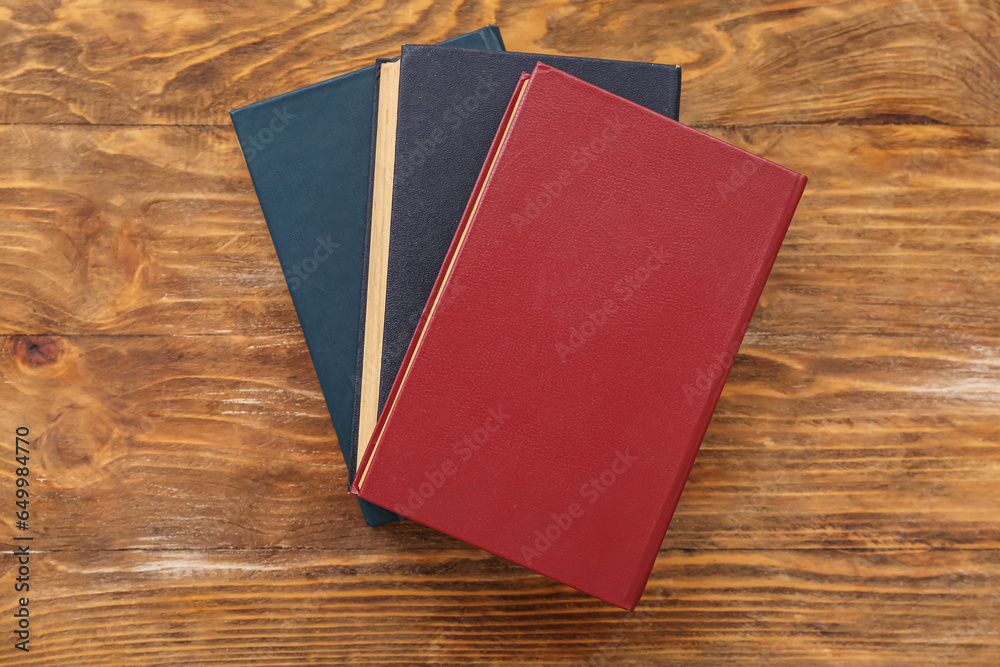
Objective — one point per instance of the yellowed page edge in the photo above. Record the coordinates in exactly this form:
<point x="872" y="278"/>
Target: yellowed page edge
<point x="378" y="252"/>
<point x="451" y="266"/>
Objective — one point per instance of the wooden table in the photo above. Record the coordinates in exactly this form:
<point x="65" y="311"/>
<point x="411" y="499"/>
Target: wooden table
<point x="188" y="497"/>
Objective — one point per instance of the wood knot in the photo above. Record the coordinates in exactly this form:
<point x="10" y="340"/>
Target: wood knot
<point x="37" y="351"/>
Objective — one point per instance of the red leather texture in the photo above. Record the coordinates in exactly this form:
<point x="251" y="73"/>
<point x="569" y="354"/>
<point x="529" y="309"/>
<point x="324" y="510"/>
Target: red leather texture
<point x="551" y="405"/>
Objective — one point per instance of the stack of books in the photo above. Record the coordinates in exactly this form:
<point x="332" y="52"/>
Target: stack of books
<point x="523" y="284"/>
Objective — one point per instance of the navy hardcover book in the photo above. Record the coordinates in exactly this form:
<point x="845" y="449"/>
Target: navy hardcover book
<point x="449" y="102"/>
<point x="308" y="155"/>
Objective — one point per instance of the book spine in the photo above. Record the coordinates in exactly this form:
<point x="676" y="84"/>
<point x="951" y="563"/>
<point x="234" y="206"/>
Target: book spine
<point x="352" y="463"/>
<point x="439" y="282"/>
<point x="373" y="514"/>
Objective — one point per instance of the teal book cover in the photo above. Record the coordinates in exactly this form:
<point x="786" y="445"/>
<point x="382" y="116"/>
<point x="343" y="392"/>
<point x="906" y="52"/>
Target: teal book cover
<point x="308" y="155"/>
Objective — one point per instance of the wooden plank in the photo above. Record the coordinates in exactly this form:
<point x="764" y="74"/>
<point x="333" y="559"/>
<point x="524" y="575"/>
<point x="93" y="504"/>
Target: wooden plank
<point x="188" y="498"/>
<point x="186" y="442"/>
<point x="745" y="63"/>
<point x="134" y="231"/>
<point x="345" y="606"/>
<point x="176" y="442"/>
<point x="157" y="231"/>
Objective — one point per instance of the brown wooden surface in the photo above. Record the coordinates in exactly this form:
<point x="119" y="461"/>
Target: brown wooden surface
<point x="189" y="503"/>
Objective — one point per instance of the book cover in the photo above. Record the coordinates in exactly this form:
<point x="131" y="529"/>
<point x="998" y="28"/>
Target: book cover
<point x="448" y="104"/>
<point x="307" y="152"/>
<point x="551" y="403"/>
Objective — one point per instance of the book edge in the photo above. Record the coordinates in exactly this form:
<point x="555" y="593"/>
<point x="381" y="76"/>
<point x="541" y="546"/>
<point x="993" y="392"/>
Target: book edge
<point x="404" y="48"/>
<point x="669" y="507"/>
<point x="547" y="70"/>
<point x="379" y="234"/>
<point x="491" y="157"/>
<point x="632" y="595"/>
<point x="484" y="33"/>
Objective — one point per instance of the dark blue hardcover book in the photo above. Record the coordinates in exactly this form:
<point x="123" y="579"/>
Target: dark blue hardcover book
<point x="308" y="155"/>
<point x="448" y="103"/>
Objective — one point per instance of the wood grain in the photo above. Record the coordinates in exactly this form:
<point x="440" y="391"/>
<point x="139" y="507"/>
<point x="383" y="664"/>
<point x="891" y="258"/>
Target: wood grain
<point x="331" y="606"/>
<point x="745" y="62"/>
<point x="133" y="231"/>
<point x="826" y="443"/>
<point x="188" y="501"/>
<point x="156" y="230"/>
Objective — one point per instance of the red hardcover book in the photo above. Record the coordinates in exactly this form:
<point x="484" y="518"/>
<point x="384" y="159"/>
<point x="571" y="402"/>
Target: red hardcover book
<point x="571" y="355"/>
